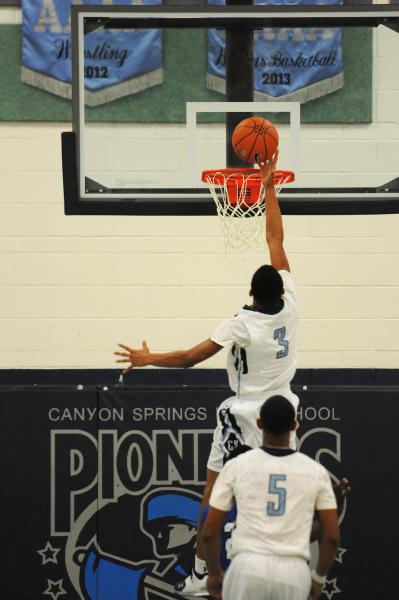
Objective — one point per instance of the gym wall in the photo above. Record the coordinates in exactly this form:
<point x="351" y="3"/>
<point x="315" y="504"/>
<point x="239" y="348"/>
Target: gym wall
<point x="73" y="287"/>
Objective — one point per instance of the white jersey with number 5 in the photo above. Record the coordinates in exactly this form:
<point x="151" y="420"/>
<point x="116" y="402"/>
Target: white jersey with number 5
<point x="276" y="492"/>
<point x="263" y="346"/>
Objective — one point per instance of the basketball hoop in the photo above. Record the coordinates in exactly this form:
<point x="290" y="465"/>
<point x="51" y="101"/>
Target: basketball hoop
<point x="240" y="202"/>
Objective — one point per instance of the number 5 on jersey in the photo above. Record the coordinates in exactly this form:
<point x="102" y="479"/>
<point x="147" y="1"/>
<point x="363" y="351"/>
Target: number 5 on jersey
<point x="277" y="507"/>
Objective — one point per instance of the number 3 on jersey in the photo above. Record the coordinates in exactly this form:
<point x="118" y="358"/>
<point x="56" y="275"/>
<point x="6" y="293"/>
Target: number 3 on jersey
<point x="279" y="335"/>
<point x="277" y="507"/>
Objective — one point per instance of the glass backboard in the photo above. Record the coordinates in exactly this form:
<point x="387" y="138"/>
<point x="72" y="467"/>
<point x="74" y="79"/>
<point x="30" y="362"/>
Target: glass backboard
<point x="157" y="91"/>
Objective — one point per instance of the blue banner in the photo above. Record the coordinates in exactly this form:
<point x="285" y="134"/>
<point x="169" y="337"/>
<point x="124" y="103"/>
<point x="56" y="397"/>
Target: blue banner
<point x="298" y="64"/>
<point x="117" y="62"/>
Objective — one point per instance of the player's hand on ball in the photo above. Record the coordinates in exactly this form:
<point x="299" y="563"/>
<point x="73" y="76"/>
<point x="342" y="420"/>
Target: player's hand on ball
<point x="267" y="169"/>
<point x="315" y="590"/>
<point x="214" y="585"/>
<point x="136" y="357"/>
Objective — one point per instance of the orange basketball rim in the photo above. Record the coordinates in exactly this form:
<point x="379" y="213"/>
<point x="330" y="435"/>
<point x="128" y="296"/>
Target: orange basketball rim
<point x="243" y="186"/>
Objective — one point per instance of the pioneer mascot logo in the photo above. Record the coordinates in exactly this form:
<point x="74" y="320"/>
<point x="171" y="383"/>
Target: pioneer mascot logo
<point x="129" y="522"/>
<point x="123" y="566"/>
<point x="125" y="507"/>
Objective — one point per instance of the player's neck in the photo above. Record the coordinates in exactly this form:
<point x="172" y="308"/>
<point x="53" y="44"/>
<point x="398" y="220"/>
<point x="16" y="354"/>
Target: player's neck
<point x="276" y="441"/>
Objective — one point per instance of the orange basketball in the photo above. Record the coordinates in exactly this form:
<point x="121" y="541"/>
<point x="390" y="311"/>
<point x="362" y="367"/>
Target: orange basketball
<point x="255" y="140"/>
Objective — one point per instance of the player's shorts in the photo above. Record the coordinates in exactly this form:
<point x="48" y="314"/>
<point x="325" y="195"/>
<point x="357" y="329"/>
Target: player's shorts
<point x="236" y="425"/>
<point x="266" y="577"/>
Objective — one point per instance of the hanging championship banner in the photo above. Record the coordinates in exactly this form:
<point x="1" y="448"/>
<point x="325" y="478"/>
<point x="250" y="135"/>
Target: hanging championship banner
<point x="117" y="62"/>
<point x="298" y="64"/>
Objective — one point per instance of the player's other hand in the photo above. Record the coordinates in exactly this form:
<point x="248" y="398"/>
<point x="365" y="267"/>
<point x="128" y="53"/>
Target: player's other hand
<point x="214" y="585"/>
<point x="267" y="168"/>
<point x="315" y="590"/>
<point x="136" y="357"/>
<point x="341" y="490"/>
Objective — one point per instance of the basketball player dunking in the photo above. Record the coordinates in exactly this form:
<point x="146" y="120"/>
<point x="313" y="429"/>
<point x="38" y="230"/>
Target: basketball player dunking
<point x="261" y="362"/>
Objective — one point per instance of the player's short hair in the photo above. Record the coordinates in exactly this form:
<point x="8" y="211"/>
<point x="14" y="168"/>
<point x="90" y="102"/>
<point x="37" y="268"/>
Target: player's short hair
<point x="236" y="452"/>
<point x="277" y="415"/>
<point x="267" y="284"/>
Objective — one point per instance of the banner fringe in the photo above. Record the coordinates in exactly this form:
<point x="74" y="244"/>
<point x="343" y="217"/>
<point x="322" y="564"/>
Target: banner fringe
<point x="125" y="88"/>
<point x="46" y="83"/>
<point x="119" y="90"/>
<point x="311" y="92"/>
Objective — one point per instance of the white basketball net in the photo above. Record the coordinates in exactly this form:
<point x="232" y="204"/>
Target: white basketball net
<point x="243" y="225"/>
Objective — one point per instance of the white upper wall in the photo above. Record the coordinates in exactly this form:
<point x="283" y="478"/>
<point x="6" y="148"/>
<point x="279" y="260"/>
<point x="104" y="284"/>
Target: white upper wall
<point x="71" y="288"/>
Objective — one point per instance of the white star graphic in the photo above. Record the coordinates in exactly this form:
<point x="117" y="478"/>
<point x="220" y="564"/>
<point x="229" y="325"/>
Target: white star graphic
<point x="49" y="554"/>
<point x="54" y="588"/>
<point x="330" y="588"/>
<point x="340" y="553"/>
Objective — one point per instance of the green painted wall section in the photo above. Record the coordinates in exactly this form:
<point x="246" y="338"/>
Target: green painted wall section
<point x="184" y="79"/>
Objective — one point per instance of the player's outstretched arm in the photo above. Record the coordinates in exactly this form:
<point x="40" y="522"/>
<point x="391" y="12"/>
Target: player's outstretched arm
<point x="142" y="357"/>
<point x="274" y="221"/>
<point x="328" y="546"/>
<point x="211" y="534"/>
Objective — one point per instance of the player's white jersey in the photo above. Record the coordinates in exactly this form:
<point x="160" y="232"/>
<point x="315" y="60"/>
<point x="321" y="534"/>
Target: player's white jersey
<point x="262" y="347"/>
<point x="276" y="492"/>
